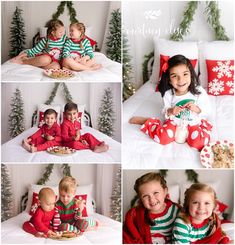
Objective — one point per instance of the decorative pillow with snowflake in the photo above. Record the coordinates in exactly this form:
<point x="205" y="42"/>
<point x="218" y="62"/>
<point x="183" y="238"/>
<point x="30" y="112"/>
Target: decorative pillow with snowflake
<point x="220" y="77"/>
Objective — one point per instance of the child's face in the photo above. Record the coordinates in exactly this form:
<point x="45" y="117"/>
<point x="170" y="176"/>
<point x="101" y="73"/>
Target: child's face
<point x="201" y="206"/>
<point x="180" y="79"/>
<point x="50" y="119"/>
<point x="153" y="195"/>
<point x="71" y="115"/>
<point x="47" y="203"/>
<point x="66" y="197"/>
<point x="74" y="32"/>
<point x="59" y="32"/>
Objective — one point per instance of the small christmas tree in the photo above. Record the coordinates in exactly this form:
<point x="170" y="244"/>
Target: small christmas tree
<point x="16" y="116"/>
<point x="116" y="200"/>
<point x="6" y="194"/>
<point x="106" y="118"/>
<point x="128" y="87"/>
<point x="114" y="38"/>
<point x="17" y="39"/>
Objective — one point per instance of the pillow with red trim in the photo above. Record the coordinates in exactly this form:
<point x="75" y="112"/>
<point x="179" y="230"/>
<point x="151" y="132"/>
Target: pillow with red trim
<point x="84" y="199"/>
<point x="41" y="109"/>
<point x="220" y="209"/>
<point x="163" y="63"/>
<point x="220" y="77"/>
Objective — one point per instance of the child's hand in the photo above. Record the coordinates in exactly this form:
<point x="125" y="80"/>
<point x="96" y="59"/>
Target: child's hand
<point x="81" y="204"/>
<point x="192" y="107"/>
<point x="49" y="137"/>
<point x="51" y="233"/>
<point x="174" y="110"/>
<point x="28" y="140"/>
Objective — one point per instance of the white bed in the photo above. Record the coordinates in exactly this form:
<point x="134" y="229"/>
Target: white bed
<point x="108" y="232"/>
<point x="12" y="151"/>
<point x="110" y="72"/>
<point x="139" y="151"/>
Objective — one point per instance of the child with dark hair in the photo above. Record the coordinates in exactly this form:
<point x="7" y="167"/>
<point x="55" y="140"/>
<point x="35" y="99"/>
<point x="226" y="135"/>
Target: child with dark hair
<point x="198" y="223"/>
<point x="151" y="221"/>
<point x="71" y="135"/>
<point x="47" y="136"/>
<point x="185" y="102"/>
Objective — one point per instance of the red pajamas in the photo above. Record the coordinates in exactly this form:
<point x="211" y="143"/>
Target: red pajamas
<point x="199" y="135"/>
<point x="40" y="142"/>
<point x="68" y="132"/>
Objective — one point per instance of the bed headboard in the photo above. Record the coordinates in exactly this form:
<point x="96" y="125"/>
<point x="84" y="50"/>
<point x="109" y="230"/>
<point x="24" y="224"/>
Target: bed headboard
<point x="148" y="66"/>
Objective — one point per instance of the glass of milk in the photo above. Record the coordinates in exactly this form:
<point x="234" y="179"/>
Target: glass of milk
<point x="181" y="133"/>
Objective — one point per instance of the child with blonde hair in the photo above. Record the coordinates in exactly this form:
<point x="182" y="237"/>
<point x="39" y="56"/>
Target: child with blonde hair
<point x="70" y="211"/>
<point x="45" y="220"/>
<point x="47" y="136"/>
<point x="78" y="54"/>
<point x="47" y="53"/>
<point x="151" y="221"/>
<point x="198" y="223"/>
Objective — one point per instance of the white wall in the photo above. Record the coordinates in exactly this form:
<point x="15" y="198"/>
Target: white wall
<point x="37" y="93"/>
<point x="36" y="13"/>
<point x="223" y="178"/>
<point x="21" y="175"/>
<point x="140" y="29"/>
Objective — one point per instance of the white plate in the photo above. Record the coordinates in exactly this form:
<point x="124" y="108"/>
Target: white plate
<point x="207" y="155"/>
<point x="59" y="73"/>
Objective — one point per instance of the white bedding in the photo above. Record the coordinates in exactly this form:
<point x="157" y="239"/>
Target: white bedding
<point x="12" y="151"/>
<point x="110" y="232"/>
<point x="110" y="72"/>
<point x="139" y="151"/>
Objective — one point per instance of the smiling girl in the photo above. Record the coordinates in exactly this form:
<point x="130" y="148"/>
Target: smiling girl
<point x="151" y="221"/>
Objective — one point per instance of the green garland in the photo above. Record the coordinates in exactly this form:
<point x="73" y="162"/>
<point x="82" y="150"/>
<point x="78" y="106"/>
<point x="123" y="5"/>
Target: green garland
<point x="60" y="10"/>
<point x="46" y="175"/>
<point x="53" y="94"/>
<point x="66" y="92"/>
<point x="66" y="169"/>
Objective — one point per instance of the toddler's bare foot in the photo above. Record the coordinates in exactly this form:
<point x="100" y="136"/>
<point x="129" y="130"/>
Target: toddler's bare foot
<point x="33" y="149"/>
<point x="17" y="60"/>
<point x="39" y="234"/>
<point x="101" y="148"/>
<point x="26" y="145"/>
<point x="96" y="66"/>
<point x="137" y="120"/>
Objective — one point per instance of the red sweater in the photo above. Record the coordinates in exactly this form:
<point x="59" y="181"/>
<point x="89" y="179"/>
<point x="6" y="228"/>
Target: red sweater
<point x="54" y="131"/>
<point x="42" y="219"/>
<point x="68" y="130"/>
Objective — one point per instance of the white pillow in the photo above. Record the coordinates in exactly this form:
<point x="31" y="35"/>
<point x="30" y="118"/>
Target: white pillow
<point x="174" y="192"/>
<point x="43" y="108"/>
<point x="183" y="188"/>
<point x="217" y="50"/>
<point x="86" y="189"/>
<point x="36" y="188"/>
<point x="81" y="108"/>
<point x="171" y="48"/>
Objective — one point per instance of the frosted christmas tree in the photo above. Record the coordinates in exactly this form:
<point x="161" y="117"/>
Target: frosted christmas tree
<point x="106" y="118"/>
<point x="6" y="194"/>
<point x="116" y="200"/>
<point x="114" y="38"/>
<point x="16" y="116"/>
<point x="17" y="39"/>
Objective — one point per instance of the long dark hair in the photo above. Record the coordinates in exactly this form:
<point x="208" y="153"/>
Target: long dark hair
<point x="176" y="60"/>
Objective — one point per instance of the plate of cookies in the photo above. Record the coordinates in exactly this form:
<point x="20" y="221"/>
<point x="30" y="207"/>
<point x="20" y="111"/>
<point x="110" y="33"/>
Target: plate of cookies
<point x="65" y="235"/>
<point x="219" y="154"/>
<point x="59" y="73"/>
<point x="60" y="150"/>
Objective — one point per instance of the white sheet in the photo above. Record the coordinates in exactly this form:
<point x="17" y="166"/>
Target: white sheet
<point x="110" y="72"/>
<point x="109" y="232"/>
<point x="140" y="152"/>
<point x="12" y="151"/>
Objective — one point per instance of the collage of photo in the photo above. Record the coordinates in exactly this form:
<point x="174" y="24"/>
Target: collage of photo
<point x="117" y="122"/>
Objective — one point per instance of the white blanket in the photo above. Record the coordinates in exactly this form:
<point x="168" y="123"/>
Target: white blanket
<point x="139" y="151"/>
<point x="110" y="72"/>
<point x="12" y="151"/>
<point x="109" y="232"/>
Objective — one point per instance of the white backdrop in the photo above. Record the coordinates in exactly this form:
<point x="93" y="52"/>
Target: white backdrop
<point x="22" y="175"/>
<point x="93" y="14"/>
<point x="223" y="178"/>
<point x="37" y="93"/>
<point x="144" y="19"/>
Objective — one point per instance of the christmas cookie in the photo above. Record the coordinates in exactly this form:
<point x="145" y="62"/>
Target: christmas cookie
<point x="60" y="150"/>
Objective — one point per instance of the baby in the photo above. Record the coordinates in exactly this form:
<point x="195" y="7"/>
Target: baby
<point x="45" y="217"/>
<point x="47" y="136"/>
<point x="71" y="135"/>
